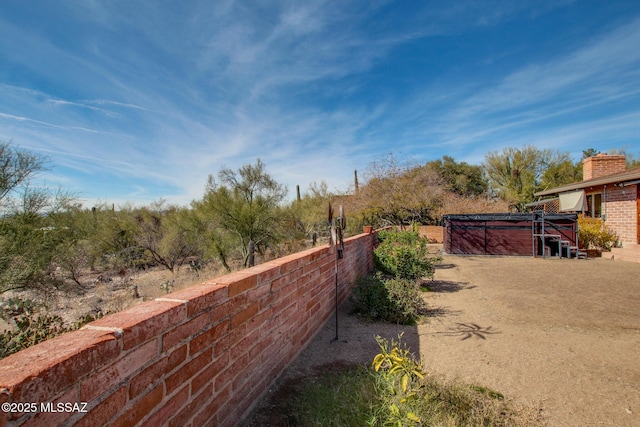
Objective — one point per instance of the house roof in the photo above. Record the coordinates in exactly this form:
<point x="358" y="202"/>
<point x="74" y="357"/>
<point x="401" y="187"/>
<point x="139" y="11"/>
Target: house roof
<point x="616" y="178"/>
<point x="541" y="202"/>
<point x="506" y="216"/>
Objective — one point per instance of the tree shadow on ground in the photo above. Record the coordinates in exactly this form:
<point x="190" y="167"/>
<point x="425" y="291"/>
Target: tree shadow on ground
<point x="440" y="311"/>
<point x="469" y="330"/>
<point x="444" y="266"/>
<point x="445" y="286"/>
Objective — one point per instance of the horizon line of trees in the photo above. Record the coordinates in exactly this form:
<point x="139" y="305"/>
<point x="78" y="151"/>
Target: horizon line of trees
<point x="48" y="240"/>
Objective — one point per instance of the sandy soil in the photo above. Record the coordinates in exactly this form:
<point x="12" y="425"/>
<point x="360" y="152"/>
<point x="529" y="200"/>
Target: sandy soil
<point x="565" y="333"/>
<point x="559" y="335"/>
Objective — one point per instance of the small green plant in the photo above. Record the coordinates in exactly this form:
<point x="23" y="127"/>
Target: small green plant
<point x="167" y="286"/>
<point x="393" y="391"/>
<point x="400" y="377"/>
<point x="593" y="233"/>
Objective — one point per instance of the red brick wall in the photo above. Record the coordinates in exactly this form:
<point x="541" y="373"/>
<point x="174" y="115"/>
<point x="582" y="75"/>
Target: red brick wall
<point x="199" y="356"/>
<point x="620" y="208"/>
<point x="602" y="165"/>
<point x="434" y="233"/>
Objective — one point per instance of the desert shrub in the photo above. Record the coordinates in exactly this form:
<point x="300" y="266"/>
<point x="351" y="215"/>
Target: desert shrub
<point x="407" y="300"/>
<point x="32" y="328"/>
<point x="370" y="298"/>
<point x="16" y="306"/>
<point x="399" y="236"/>
<point x="388" y="299"/>
<point x="593" y="233"/>
<point x="404" y="254"/>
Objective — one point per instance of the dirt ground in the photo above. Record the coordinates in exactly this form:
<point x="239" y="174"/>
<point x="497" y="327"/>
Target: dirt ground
<point x="559" y="335"/>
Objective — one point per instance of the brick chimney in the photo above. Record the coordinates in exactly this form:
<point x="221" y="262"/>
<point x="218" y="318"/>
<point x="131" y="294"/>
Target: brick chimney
<point x="602" y="165"/>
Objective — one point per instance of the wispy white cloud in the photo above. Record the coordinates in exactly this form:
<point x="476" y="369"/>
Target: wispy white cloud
<point x="544" y="98"/>
<point x="149" y="107"/>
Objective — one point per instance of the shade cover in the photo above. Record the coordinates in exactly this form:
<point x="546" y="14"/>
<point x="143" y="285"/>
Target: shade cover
<point x="573" y="202"/>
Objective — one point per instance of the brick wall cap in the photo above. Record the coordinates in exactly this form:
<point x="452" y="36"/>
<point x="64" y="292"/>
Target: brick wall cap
<point x="195" y="291"/>
<point x="137" y="314"/>
<point x="32" y="361"/>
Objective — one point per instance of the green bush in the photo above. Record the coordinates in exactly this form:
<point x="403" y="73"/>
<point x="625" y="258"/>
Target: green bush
<point x="593" y="233"/>
<point x="405" y="237"/>
<point x="404" y="254"/>
<point x="388" y="299"/>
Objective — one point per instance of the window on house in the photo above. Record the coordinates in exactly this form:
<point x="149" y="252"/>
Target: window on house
<point x="594" y="205"/>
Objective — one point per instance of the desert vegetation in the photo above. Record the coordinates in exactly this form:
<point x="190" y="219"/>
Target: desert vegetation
<point x="54" y="250"/>
<point x="393" y="293"/>
<point x="593" y="233"/>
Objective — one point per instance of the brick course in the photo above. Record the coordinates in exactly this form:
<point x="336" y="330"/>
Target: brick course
<point x="199" y="356"/>
<point x="434" y="233"/>
<point x="620" y="206"/>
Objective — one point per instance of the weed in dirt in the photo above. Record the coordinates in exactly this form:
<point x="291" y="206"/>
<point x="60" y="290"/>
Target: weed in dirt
<point x="334" y="395"/>
<point x="341" y="398"/>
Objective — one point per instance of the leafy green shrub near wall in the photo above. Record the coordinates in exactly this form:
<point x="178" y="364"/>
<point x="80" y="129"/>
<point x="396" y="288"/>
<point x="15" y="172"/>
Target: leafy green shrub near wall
<point x="404" y="254"/>
<point x="390" y="300"/>
<point x="593" y="233"/>
<point x="395" y="297"/>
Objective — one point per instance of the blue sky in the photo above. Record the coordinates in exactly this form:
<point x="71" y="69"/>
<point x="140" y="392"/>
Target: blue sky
<point x="141" y="100"/>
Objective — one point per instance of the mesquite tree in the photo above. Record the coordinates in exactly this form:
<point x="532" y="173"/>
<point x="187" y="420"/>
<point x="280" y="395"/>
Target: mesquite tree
<point x="29" y="240"/>
<point x="515" y="174"/>
<point x="246" y="204"/>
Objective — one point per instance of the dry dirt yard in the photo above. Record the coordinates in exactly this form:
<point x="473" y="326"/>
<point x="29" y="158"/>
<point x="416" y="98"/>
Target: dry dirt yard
<point x="564" y="333"/>
<point x="557" y="336"/>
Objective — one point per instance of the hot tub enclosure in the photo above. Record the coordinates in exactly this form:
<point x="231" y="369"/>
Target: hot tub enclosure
<point x="521" y="234"/>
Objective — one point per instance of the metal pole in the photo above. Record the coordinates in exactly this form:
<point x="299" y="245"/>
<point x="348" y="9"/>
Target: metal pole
<point x="336" y="302"/>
